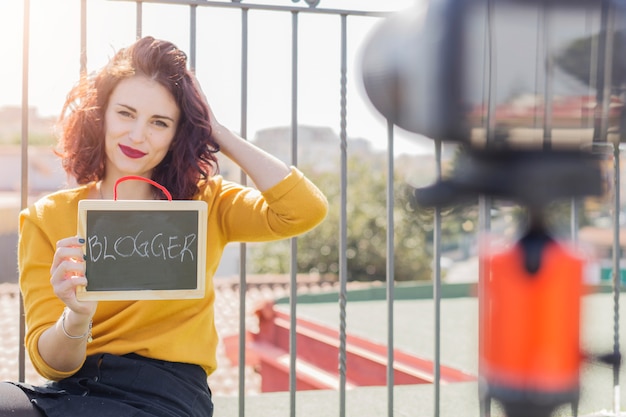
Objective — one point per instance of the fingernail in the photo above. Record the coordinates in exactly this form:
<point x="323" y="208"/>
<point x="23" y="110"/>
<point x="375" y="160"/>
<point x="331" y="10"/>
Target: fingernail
<point x="81" y="240"/>
<point x="85" y="257"/>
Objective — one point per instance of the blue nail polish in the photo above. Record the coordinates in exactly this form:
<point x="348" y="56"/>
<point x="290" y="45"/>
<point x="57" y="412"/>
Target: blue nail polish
<point x="81" y="240"/>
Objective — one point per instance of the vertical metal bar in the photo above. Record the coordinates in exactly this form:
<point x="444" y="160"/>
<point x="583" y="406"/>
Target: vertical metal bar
<point x="343" y="267"/>
<point x="490" y="73"/>
<point x="83" y="38"/>
<point x="293" y="290"/>
<point x="244" y="79"/>
<point x="242" y="246"/>
<point x="138" y="19"/>
<point x="484" y="221"/>
<point x="604" y="92"/>
<point x="617" y="277"/>
<point x="607" y="66"/>
<point x="390" y="267"/>
<point x="539" y="69"/>
<point x="548" y="80"/>
<point x="24" y="167"/>
<point x="603" y="84"/>
<point x="575" y="204"/>
<point x="243" y="288"/>
<point x="485" y="202"/>
<point x="594" y="57"/>
<point x="574" y="219"/>
<point x="437" y="288"/>
<point x="193" y="9"/>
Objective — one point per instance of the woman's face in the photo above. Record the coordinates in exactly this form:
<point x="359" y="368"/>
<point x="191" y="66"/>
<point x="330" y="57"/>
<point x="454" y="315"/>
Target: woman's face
<point x="140" y="122"/>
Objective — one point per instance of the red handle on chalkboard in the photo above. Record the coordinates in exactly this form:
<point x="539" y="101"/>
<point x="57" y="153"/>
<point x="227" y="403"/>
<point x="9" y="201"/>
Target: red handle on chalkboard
<point x="137" y="177"/>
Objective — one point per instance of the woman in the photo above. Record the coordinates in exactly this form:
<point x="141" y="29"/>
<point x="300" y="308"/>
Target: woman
<point x="143" y="114"/>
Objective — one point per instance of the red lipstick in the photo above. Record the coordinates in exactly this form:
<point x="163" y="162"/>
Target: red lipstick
<point x="131" y="152"/>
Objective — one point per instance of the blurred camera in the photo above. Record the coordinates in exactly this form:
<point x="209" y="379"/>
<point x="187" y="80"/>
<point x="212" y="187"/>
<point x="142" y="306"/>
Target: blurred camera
<point x="502" y="73"/>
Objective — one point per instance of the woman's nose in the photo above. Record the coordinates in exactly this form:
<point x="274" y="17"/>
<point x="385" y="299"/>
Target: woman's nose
<point x="137" y="132"/>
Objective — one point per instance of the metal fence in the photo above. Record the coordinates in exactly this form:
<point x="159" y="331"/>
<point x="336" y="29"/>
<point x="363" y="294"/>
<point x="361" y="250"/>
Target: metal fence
<point x="343" y="18"/>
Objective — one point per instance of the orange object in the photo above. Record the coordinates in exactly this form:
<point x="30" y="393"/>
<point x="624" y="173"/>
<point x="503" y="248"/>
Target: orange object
<point x="530" y="322"/>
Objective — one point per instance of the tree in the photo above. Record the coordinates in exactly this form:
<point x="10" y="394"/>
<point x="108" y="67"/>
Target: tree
<point x="576" y="59"/>
<point x="318" y="250"/>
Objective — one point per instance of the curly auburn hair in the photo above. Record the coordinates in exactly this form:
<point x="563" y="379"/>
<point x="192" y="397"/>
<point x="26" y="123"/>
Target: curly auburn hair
<point x="191" y="157"/>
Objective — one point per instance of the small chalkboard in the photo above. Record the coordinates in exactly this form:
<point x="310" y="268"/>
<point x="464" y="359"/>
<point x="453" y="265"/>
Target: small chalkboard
<point x="143" y="249"/>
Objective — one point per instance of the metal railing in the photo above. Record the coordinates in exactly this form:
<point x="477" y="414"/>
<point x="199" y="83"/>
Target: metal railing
<point x="343" y="17"/>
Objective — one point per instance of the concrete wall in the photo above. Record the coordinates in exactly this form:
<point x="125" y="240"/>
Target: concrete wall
<point x="8" y="257"/>
<point x="44" y="175"/>
<point x="9" y="210"/>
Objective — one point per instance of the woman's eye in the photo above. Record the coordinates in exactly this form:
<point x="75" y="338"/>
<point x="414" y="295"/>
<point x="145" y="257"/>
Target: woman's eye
<point x="124" y="113"/>
<point x="160" y="123"/>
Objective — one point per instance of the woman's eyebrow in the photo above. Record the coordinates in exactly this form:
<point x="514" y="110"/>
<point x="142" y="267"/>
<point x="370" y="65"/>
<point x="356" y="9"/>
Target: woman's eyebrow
<point x="157" y="116"/>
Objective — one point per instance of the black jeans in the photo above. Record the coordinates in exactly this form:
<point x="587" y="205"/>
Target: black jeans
<point x="129" y="385"/>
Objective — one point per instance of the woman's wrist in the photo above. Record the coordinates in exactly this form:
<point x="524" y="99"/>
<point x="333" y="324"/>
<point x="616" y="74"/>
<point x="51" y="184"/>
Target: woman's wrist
<point x="75" y="330"/>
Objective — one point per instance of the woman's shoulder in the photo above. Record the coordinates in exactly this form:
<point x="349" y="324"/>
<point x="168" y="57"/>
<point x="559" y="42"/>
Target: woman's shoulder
<point x="58" y="201"/>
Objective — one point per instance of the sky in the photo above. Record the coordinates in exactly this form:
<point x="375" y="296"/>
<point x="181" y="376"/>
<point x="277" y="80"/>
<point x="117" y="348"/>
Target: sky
<point x="55" y="43"/>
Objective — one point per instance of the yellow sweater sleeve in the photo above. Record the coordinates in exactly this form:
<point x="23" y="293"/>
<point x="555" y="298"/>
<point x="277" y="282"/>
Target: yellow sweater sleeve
<point x="38" y="235"/>
<point x="290" y="208"/>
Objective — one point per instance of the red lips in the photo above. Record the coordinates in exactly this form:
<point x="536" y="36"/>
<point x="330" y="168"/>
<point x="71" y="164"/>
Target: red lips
<point x="131" y="152"/>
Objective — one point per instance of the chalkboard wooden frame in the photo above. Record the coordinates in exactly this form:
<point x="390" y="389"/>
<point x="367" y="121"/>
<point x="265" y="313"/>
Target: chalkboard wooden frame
<point x="163" y="218"/>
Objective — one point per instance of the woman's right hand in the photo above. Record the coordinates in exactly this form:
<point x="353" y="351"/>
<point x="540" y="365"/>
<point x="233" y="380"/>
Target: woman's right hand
<point x="67" y="273"/>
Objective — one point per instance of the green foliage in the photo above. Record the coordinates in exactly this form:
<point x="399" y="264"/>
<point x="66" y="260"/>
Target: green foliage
<point x="34" y="139"/>
<point x="366" y="241"/>
<point x="576" y="60"/>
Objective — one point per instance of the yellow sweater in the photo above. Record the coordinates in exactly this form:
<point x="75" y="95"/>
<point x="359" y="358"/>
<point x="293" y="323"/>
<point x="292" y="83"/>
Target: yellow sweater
<point x="172" y="330"/>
